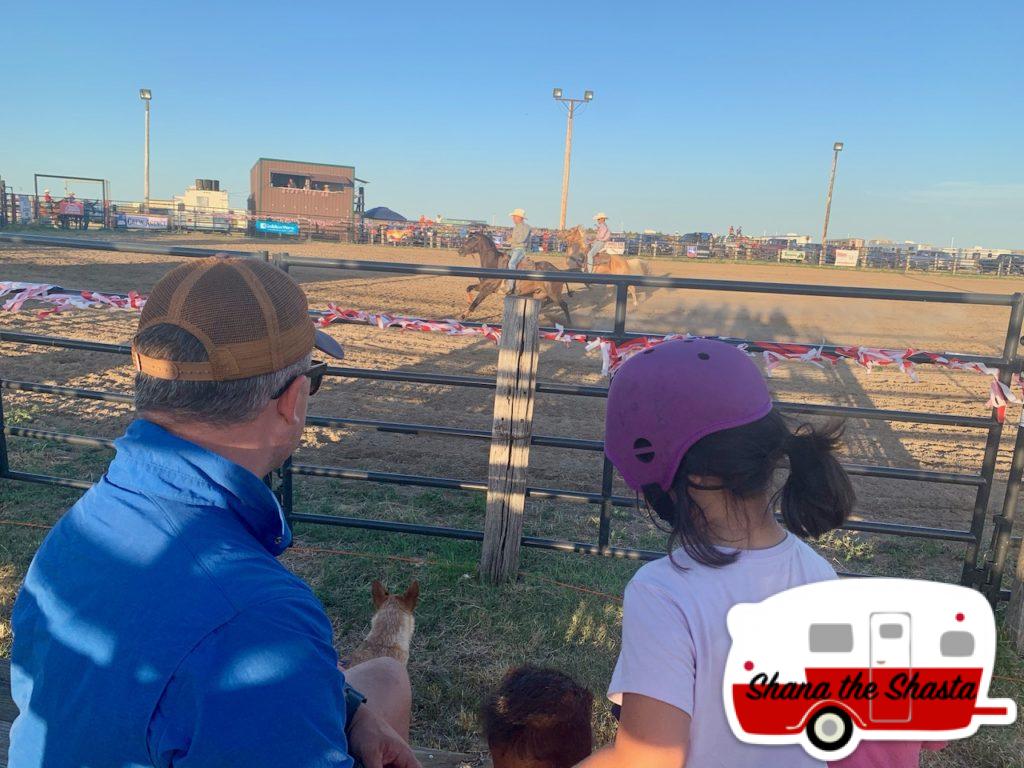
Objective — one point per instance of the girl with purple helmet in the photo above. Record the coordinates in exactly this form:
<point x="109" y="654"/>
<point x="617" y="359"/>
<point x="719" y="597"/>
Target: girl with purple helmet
<point x="691" y="426"/>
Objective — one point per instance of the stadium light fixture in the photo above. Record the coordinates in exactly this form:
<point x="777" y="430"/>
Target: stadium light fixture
<point x="571" y="105"/>
<point x="146" y="95"/>
<point x="837" y="147"/>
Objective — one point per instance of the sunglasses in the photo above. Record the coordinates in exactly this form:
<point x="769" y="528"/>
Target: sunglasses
<point x="315" y="375"/>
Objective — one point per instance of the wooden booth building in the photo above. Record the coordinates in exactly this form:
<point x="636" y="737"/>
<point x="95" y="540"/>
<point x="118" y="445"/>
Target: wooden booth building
<point x="319" y="197"/>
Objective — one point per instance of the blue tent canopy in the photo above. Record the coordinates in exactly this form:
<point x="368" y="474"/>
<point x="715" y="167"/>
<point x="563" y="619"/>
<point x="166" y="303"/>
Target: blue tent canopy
<point x="380" y="213"/>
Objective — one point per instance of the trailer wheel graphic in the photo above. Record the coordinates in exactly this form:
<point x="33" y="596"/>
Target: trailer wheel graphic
<point x="830" y="729"/>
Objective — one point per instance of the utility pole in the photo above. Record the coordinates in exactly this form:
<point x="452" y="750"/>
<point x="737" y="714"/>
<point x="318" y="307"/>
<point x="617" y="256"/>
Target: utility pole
<point x="146" y="95"/>
<point x="571" y="109"/>
<point x="836" y="149"/>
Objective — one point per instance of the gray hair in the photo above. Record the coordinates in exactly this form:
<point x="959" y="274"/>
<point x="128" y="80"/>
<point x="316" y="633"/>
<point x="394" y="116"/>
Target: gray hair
<point x="221" y="403"/>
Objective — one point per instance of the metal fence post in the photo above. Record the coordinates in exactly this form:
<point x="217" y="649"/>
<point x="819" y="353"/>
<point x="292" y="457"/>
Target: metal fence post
<point x="4" y="462"/>
<point x="621" y="300"/>
<point x="1003" y="522"/>
<point x="605" y="528"/>
<point x="510" y="439"/>
<point x="972" y="575"/>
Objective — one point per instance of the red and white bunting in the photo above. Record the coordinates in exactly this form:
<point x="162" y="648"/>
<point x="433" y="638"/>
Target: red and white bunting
<point x="613" y="354"/>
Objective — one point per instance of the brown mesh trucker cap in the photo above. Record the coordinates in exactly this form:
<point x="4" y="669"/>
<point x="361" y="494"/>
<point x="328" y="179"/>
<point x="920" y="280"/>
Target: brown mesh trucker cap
<point x="251" y="317"/>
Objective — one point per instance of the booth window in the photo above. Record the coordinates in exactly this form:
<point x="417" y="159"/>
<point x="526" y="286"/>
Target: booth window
<point x="293" y="180"/>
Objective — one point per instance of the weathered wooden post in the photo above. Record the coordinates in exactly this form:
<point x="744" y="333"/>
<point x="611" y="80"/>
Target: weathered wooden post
<point x="510" y="439"/>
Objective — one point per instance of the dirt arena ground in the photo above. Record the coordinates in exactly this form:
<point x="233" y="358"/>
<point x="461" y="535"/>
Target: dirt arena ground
<point x="932" y="327"/>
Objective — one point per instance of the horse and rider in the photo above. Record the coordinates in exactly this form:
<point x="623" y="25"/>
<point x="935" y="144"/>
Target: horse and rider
<point x="548" y="291"/>
<point x="580" y="257"/>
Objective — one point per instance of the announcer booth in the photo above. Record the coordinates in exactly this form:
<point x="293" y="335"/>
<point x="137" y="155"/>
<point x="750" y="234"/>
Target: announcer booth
<point x="318" y="197"/>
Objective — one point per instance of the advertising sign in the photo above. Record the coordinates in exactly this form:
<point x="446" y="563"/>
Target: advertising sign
<point x="25" y="212"/>
<point x="846" y="257"/>
<point x="791" y="254"/>
<point x="271" y="227"/>
<point x="141" y="221"/>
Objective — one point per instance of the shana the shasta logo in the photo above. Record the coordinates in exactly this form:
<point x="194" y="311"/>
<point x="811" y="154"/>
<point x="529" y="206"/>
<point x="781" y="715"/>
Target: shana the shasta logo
<point x="830" y="664"/>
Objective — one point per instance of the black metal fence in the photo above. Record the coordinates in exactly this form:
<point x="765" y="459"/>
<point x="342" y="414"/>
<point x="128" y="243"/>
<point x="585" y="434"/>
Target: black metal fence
<point x="984" y="574"/>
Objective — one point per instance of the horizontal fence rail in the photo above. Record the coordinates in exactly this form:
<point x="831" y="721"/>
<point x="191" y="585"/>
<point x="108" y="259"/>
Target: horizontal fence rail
<point x="1007" y="362"/>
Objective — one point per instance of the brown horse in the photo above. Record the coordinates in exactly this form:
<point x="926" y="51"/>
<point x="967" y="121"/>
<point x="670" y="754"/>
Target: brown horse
<point x="549" y="292"/>
<point x="604" y="263"/>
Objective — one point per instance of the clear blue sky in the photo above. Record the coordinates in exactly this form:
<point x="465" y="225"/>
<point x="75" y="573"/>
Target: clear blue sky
<point x="706" y="114"/>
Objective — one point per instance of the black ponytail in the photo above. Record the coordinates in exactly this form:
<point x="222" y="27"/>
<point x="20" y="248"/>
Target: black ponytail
<point x="816" y="497"/>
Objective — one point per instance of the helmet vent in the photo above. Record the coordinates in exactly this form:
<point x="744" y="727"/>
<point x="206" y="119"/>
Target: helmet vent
<point x="703" y="355"/>
<point x="644" y="450"/>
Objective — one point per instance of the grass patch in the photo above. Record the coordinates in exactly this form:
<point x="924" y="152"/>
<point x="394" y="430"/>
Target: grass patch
<point x="564" y="611"/>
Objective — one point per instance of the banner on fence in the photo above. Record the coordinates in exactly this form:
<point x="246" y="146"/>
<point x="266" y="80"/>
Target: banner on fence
<point x="200" y="220"/>
<point x="271" y="227"/>
<point x="26" y="213"/>
<point x="847" y="257"/>
<point x="141" y="221"/>
<point x="613" y="353"/>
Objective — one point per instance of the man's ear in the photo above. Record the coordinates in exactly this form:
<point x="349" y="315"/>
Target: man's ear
<point x="288" y="403"/>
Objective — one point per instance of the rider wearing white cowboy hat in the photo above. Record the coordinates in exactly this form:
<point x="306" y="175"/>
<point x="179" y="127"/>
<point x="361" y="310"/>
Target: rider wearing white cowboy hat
<point x="518" y="241"/>
<point x="600" y="240"/>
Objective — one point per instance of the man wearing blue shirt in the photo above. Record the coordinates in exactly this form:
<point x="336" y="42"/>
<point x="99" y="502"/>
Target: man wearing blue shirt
<point x="155" y="626"/>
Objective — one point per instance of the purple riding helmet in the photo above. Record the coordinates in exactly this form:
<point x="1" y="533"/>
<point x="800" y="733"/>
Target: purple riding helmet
<point x="666" y="398"/>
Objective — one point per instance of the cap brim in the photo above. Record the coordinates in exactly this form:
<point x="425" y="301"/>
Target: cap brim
<point x="328" y="345"/>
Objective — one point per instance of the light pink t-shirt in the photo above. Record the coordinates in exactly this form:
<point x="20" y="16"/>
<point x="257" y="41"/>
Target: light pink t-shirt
<point x="675" y="643"/>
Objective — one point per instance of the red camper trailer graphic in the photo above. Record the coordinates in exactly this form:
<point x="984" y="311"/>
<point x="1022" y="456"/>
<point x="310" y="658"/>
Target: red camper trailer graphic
<point x="830" y="664"/>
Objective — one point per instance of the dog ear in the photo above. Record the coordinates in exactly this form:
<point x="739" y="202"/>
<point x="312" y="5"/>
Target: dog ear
<point x="379" y="592"/>
<point x="412" y="595"/>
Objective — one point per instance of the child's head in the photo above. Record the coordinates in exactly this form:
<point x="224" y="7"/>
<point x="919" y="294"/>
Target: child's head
<point x="538" y="718"/>
<point x="691" y="416"/>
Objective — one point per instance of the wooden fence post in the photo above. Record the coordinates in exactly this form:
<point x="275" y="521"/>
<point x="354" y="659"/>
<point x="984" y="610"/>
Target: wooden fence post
<point x="510" y="439"/>
<point x="1015" y="612"/>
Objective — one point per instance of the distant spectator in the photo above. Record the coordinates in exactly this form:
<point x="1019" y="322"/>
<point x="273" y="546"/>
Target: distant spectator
<point x="538" y="718"/>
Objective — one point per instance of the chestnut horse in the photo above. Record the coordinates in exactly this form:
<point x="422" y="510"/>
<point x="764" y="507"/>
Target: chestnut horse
<point x="604" y="263"/>
<point x="549" y="292"/>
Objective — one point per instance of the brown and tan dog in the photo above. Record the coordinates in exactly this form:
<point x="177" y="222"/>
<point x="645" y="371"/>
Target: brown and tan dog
<point x="392" y="626"/>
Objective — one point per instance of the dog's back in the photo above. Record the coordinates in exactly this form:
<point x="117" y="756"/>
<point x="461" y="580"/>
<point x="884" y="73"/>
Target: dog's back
<point x="392" y="626"/>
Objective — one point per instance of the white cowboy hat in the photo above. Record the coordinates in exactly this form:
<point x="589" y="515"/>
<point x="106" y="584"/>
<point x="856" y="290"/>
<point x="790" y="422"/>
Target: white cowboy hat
<point x="600" y="216"/>
<point x="518" y="212"/>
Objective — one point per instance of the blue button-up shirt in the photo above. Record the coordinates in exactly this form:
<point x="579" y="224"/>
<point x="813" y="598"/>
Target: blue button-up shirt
<point x="157" y="628"/>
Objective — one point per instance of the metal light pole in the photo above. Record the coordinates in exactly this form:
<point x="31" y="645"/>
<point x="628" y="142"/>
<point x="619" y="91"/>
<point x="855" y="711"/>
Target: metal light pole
<point x="836" y="149"/>
<point x="146" y="95"/>
<point x="571" y="108"/>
